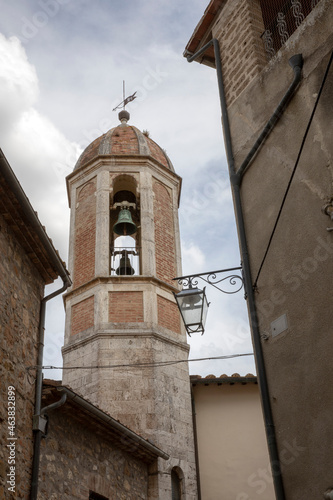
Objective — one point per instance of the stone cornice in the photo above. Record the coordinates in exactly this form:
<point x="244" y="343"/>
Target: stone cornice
<point x="146" y="332"/>
<point x="119" y="280"/>
<point x="112" y="161"/>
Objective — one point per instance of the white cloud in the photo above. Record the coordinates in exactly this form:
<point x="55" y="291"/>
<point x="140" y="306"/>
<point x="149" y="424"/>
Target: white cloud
<point x="226" y="335"/>
<point x="18" y="82"/>
<point x="80" y="57"/>
<point x="192" y="257"/>
<point x="37" y="151"/>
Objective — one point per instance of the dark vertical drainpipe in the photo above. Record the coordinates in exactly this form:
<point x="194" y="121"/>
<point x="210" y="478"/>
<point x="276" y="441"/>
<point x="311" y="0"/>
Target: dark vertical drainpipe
<point x="195" y="435"/>
<point x="38" y="432"/>
<point x="235" y="179"/>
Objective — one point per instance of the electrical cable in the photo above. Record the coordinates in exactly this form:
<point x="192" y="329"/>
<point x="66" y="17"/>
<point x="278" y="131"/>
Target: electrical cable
<point x="138" y="365"/>
<point x="295" y="167"/>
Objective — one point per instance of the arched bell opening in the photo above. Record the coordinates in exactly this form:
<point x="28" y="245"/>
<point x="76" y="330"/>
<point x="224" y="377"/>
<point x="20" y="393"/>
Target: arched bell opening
<point x="125" y="228"/>
<point x="125" y="257"/>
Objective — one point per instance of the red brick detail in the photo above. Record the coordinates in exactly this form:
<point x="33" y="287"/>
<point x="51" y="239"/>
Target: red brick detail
<point x="124" y="141"/>
<point x="85" y="234"/>
<point x="168" y="314"/>
<point x="157" y="153"/>
<point x="165" y="253"/>
<point x="239" y="30"/>
<point x="90" y="152"/>
<point x="126" y="307"/>
<point x="82" y="315"/>
<point x="121" y="141"/>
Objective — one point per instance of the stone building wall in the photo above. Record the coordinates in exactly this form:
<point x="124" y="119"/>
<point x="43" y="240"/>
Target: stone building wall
<point x="136" y="321"/>
<point x="84" y="460"/>
<point x="21" y="290"/>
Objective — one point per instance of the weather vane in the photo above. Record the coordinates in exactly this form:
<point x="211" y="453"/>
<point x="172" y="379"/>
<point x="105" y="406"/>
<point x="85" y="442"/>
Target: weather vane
<point x="125" y="101"/>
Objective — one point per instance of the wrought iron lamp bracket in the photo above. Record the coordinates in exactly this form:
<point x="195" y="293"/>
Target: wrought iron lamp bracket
<point x="233" y="280"/>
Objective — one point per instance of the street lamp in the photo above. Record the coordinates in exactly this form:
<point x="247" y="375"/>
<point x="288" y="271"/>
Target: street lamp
<point x="193" y="306"/>
<point x="192" y="302"/>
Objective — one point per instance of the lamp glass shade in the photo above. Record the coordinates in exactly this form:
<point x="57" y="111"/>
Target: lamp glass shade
<point x="193" y="307"/>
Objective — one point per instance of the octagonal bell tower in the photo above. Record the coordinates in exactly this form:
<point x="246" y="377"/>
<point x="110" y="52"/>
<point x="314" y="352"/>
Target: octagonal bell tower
<point x="121" y="317"/>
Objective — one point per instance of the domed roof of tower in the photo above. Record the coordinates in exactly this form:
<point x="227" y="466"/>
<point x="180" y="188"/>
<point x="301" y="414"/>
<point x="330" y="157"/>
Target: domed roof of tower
<point x="124" y="140"/>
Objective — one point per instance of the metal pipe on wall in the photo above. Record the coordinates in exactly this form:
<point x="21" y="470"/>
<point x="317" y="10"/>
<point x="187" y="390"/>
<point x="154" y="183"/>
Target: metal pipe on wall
<point x="38" y="433"/>
<point x="39" y="386"/>
<point x="296" y="62"/>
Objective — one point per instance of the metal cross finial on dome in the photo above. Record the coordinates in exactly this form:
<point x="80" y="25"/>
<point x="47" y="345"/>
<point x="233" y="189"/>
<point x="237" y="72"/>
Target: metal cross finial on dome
<point x="124" y="115"/>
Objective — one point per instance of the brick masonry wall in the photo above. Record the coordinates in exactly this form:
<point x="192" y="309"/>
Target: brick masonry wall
<point x="124" y="141"/>
<point x="168" y="314"/>
<point x="82" y="315"/>
<point x="21" y="291"/>
<point x="126" y="307"/>
<point x="164" y="234"/>
<point x="238" y="30"/>
<point x="84" y="460"/>
<point x="85" y="234"/>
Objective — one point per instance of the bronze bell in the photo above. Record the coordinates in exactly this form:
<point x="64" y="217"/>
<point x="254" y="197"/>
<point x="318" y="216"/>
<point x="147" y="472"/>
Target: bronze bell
<point x="124" y="225"/>
<point x="125" y="268"/>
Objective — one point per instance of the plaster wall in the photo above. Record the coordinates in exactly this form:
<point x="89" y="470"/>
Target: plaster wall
<point x="233" y="456"/>
<point x="295" y="283"/>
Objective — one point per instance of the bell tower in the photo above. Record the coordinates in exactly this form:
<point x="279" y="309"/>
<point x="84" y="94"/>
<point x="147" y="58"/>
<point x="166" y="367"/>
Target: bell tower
<point x="122" y="322"/>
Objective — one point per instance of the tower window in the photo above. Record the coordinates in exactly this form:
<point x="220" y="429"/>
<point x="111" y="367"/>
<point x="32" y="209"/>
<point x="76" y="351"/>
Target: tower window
<point x="125" y="257"/>
<point x="176" y="485"/>
<point x="125" y="229"/>
<point x="124" y="196"/>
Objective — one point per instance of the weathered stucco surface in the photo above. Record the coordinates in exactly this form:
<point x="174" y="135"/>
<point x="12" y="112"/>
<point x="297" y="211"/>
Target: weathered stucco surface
<point x="296" y="278"/>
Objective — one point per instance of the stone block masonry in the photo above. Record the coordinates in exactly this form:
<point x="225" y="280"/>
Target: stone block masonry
<point x="21" y="290"/>
<point x="136" y="323"/>
<point x="86" y="460"/>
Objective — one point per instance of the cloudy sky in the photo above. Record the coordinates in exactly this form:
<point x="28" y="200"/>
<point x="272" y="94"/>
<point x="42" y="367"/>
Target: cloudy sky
<point x="62" y="64"/>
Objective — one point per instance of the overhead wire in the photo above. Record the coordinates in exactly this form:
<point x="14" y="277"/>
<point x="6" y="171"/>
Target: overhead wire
<point x="139" y="365"/>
